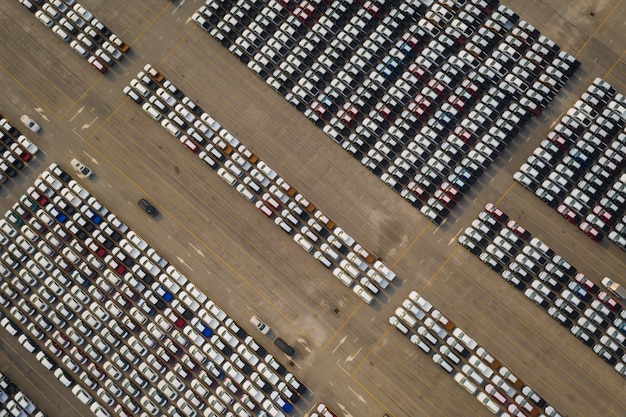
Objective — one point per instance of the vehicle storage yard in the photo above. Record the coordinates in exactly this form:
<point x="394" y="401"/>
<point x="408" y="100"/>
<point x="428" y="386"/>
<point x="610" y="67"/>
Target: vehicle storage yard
<point x="346" y="352"/>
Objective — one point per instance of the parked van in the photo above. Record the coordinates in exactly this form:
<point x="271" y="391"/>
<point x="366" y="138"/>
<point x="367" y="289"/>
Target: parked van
<point x="342" y="276"/>
<point x="306" y="204"/>
<point x="303" y="242"/>
<point x="330" y="252"/>
<point x="140" y="88"/>
<point x="349" y="268"/>
<point x="152" y="111"/>
<point x="226" y="176"/>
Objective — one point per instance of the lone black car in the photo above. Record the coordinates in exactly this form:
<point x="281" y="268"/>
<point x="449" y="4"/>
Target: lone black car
<point x="148" y="208"/>
<point x="282" y="345"/>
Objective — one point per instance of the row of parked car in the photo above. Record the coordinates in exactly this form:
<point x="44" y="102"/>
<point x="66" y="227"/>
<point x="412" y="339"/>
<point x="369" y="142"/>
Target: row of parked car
<point x="425" y="97"/>
<point x="78" y="27"/>
<point x="568" y="296"/>
<point x="471" y="365"/>
<point x="113" y="320"/>
<point x="579" y="168"/>
<point x="14" y="401"/>
<point x="15" y="150"/>
<point x="258" y="183"/>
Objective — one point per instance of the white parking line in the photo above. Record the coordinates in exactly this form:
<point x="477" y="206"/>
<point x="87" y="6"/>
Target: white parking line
<point x="182" y="261"/>
<point x="180" y="3"/>
<point x="94" y="160"/>
<point x="79" y="111"/>
<point x="198" y="251"/>
<point x="351" y="357"/>
<point x="41" y="113"/>
<point x="78" y="134"/>
<point x="88" y="125"/>
<point x="343" y="339"/>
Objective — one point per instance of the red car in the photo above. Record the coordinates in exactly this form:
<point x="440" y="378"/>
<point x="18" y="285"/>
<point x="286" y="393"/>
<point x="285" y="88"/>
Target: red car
<point x="264" y="209"/>
<point x="373" y="8"/>
<point x="518" y="229"/>
<point x="451" y="190"/>
<point x="419" y="111"/>
<point x="470" y="87"/>
<point x="496" y="212"/>
<point x="609" y="301"/>
<point x="384" y="110"/>
<point x="116" y="266"/>
<point x="98" y="64"/>
<point x="419" y="192"/>
<point x="444" y="198"/>
<point x="589" y="286"/>
<point x="458" y="103"/>
<point x="178" y="322"/>
<point x="418" y="71"/>
<point x="438" y="88"/>
<point x="603" y="214"/>
<point x="558" y="140"/>
<point x="22" y="153"/>
<point x="411" y="40"/>
<point x="96" y="249"/>
<point x="591" y="231"/>
<point x="464" y="134"/>
<point x="568" y="213"/>
<point x="320" y="110"/>
<point x="191" y="145"/>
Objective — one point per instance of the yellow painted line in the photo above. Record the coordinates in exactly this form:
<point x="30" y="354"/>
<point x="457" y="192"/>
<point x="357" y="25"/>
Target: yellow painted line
<point x="331" y="338"/>
<point x="505" y="193"/>
<point x="87" y="91"/>
<point x="117" y="108"/>
<point x="403" y="254"/>
<point x="95" y="131"/>
<point x="617" y="61"/>
<point x="181" y="40"/>
<point x="30" y="93"/>
<point x="456" y="248"/>
<point x="32" y="71"/>
<point x="599" y="27"/>
<point x="425" y="370"/>
<point x="219" y="258"/>
<point x="372" y="348"/>
<point x="148" y="27"/>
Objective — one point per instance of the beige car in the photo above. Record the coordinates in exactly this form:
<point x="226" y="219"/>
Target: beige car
<point x="259" y="324"/>
<point x="81" y="168"/>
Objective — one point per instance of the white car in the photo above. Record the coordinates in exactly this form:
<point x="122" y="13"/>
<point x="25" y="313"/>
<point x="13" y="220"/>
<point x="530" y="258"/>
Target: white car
<point x="30" y="123"/>
<point x="58" y="30"/>
<point x="363" y="293"/>
<point x="82" y="394"/>
<point x="81" y="168"/>
<point x="260" y="324"/>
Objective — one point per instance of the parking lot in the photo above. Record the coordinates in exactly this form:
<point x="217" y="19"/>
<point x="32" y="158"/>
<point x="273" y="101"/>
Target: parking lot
<point x="347" y="354"/>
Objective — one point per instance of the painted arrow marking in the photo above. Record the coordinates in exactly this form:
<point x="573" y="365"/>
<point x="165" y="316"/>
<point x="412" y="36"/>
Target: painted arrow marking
<point x="79" y="111"/>
<point x="41" y="113"/>
<point x="88" y="125"/>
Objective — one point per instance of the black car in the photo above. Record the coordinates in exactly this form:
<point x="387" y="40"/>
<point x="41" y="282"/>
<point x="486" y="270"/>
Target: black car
<point x="284" y="346"/>
<point x="148" y="208"/>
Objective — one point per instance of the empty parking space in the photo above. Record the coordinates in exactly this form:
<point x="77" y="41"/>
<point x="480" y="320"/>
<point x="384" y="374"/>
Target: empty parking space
<point x="31" y="66"/>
